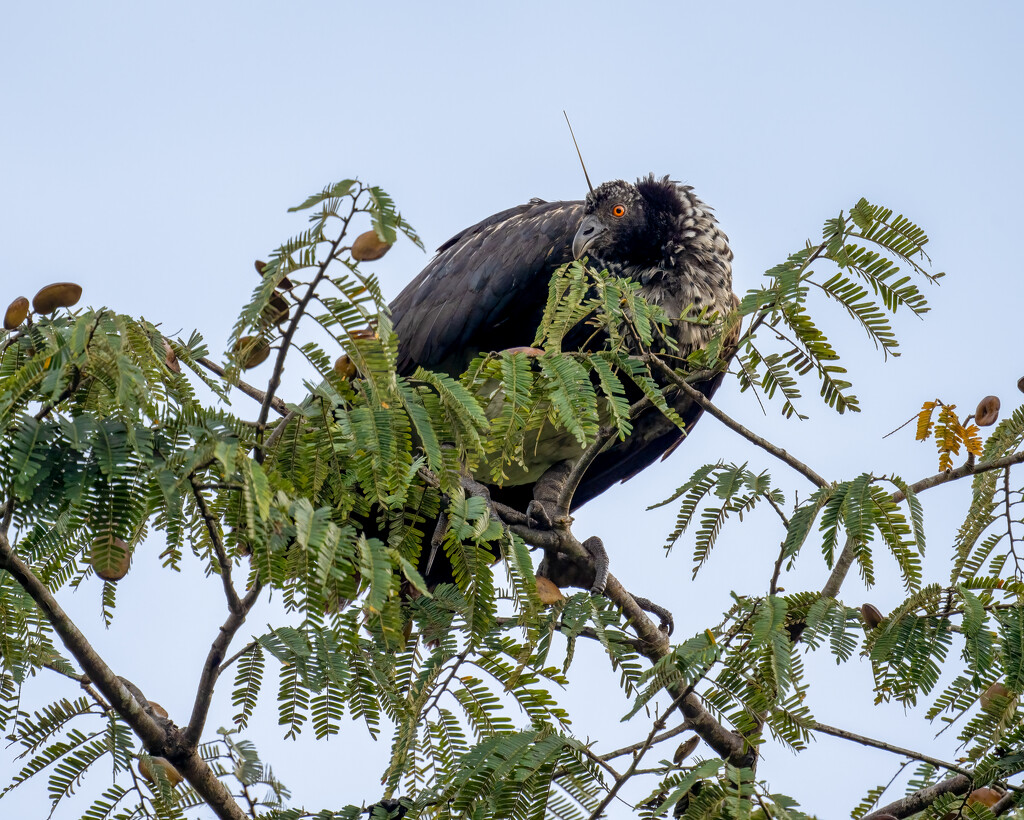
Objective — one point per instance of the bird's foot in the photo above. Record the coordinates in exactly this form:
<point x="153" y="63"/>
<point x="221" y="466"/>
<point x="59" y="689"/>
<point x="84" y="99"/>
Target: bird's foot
<point x="668" y="623"/>
<point x="538" y="517"/>
<point x="599" y="560"/>
<point x="544" y="512"/>
<point x="565" y="571"/>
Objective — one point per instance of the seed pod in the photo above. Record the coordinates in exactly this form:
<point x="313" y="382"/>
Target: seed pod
<point x="548" y="592"/>
<point x="996" y="690"/>
<point x="261" y="268"/>
<point x="986" y="795"/>
<point x="149" y="765"/>
<point x="987" y="412"/>
<point x="872" y="617"/>
<point x="110" y="558"/>
<point x="171" y="358"/>
<point x="529" y="352"/>
<point x="1020" y="384"/>
<point x="57" y="295"/>
<point x="251" y="351"/>
<point x="368" y="246"/>
<point x="343" y="367"/>
<point x="16" y="313"/>
<point x="685" y="749"/>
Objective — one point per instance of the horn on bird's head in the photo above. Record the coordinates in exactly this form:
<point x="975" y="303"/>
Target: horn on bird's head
<point x="571" y="134"/>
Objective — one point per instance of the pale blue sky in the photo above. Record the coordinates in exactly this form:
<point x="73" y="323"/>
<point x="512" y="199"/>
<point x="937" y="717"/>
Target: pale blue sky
<point x="150" y="152"/>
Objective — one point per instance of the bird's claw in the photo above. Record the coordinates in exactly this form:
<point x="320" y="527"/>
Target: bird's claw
<point x="668" y="623"/>
<point x="537" y="517"/>
<point x="599" y="560"/>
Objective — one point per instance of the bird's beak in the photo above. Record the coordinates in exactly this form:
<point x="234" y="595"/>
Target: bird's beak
<point x="590" y="228"/>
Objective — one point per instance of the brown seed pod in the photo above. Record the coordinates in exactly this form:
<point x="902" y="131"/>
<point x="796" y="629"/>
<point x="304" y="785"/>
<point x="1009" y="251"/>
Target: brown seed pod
<point x="996" y="690"/>
<point x="171" y="358"/>
<point x="344" y="367"/>
<point x="110" y="559"/>
<point x="57" y="295"/>
<point x="531" y="352"/>
<point x="368" y="246"/>
<point x="261" y="268"/>
<point x="548" y="592"/>
<point x="986" y="795"/>
<point x="148" y="766"/>
<point x="685" y="749"/>
<point x="16" y="313"/>
<point x="1020" y="384"/>
<point x="872" y="617"/>
<point x="987" y="412"/>
<point x="251" y="351"/>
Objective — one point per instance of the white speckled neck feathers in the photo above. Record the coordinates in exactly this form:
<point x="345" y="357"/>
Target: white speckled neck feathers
<point x="695" y="268"/>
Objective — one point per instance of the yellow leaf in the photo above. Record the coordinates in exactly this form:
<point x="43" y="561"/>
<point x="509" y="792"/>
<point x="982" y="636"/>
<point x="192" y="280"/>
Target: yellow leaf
<point x="972" y="439"/>
<point x="924" y="420"/>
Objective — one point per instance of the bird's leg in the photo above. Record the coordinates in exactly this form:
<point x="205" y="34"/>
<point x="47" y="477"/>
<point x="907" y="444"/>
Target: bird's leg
<point x="544" y="512"/>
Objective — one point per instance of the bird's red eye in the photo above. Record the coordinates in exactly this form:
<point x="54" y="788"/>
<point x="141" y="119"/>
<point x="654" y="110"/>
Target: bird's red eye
<point x="619" y="211"/>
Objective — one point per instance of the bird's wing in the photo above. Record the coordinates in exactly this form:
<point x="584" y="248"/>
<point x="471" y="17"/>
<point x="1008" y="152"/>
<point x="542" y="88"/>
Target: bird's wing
<point x="653" y="437"/>
<point x="486" y="288"/>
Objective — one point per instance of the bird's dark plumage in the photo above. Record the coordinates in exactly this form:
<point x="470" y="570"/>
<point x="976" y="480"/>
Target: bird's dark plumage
<point x="487" y="287"/>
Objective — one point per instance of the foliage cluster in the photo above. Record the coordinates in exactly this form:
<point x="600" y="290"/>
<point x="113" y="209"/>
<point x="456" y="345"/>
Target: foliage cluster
<point x="104" y="443"/>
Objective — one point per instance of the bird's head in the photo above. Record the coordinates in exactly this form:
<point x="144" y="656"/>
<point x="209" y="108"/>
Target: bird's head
<point x="626" y="224"/>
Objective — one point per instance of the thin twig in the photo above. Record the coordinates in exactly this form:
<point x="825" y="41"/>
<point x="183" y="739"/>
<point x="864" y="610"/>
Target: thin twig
<point x="845" y="559"/>
<point x="83" y="681"/>
<point x="586" y="458"/>
<point x="228" y="663"/>
<point x="238" y="610"/>
<point x="625" y="750"/>
<point x="888" y="747"/>
<point x="234" y="605"/>
<point x="245" y="387"/>
<point x="286" y="338"/>
<point x="702" y="400"/>
<point x="659" y="724"/>
<point x="1009" y="521"/>
<point x="459" y="660"/>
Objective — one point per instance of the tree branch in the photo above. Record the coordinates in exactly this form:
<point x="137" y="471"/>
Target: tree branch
<point x="212" y="666"/>
<point x="919" y="800"/>
<point x="248" y="389"/>
<point x="234" y="605"/>
<point x="286" y="338"/>
<point x="156" y="739"/>
<point x="625" y="750"/>
<point x="583" y="462"/>
<point x="699" y="398"/>
<point x="845" y="559"/>
<point x="659" y="724"/>
<point x="888" y="747"/>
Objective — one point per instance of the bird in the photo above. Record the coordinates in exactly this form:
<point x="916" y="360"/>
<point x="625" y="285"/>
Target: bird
<point x="486" y="288"/>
